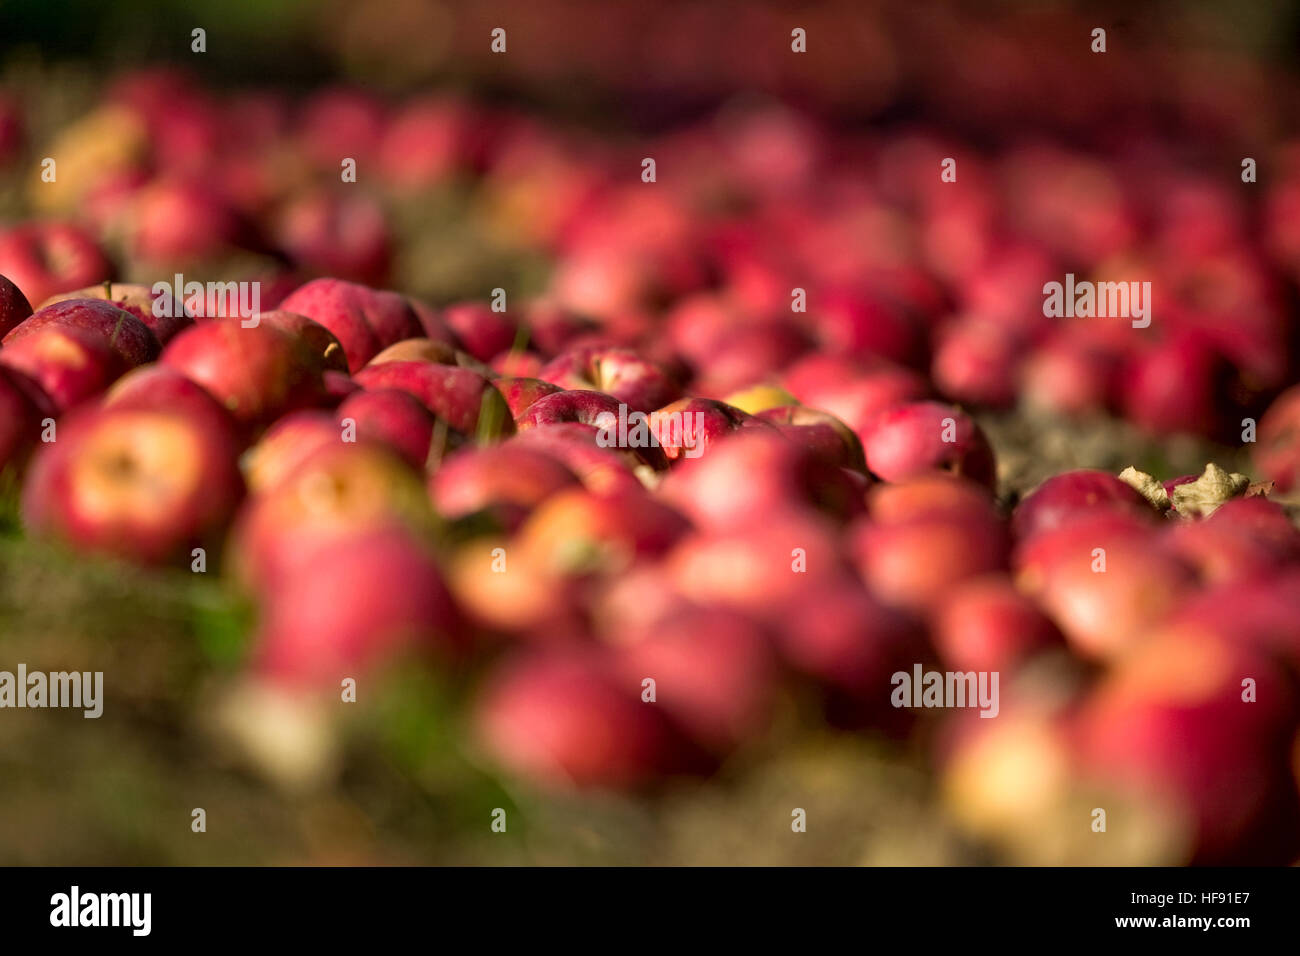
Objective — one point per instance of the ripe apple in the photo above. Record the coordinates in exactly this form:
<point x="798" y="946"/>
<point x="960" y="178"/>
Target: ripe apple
<point x="622" y="373"/>
<point x="163" y="218"/>
<point x="821" y="432"/>
<point x="139" y="301"/>
<point x="856" y="396"/>
<point x="365" y="598"/>
<point x="1231" y="793"/>
<point x="913" y="439"/>
<point x="286" y="446"/>
<point x="521" y="392"/>
<point x="337" y="491"/>
<point x="931" y="496"/>
<point x="1083" y="494"/>
<point x="482" y="332"/>
<point x="577" y="405"/>
<point x="144" y="485"/>
<point x="317" y="338"/>
<point x="714" y="675"/>
<point x="157" y="388"/>
<point x="258" y="373"/>
<point x="340" y="235"/>
<point x="985" y="624"/>
<point x="576" y="532"/>
<point x="364" y="320"/>
<point x="461" y="397"/>
<point x="44" y="259"/>
<point x="916" y="563"/>
<point x="120" y="330"/>
<point x="599" y="469"/>
<point x="758" y="473"/>
<point x="562" y="721"/>
<point x="392" y="418"/>
<point x="69" y="363"/>
<point x="509" y="480"/>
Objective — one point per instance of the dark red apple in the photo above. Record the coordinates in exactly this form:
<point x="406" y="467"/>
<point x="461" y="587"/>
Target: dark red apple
<point x="14" y="306"/>
<point x="509" y="480"/>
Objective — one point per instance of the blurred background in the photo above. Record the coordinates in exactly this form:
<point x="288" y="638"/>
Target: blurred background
<point x="520" y="170"/>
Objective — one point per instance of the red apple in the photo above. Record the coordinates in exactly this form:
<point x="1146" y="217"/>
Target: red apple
<point x="509" y="480"/>
<point x="145" y="485"/>
<point x="599" y="469"/>
<point x="181" y="221"/>
<point x="916" y="563"/>
<point x="462" y="398"/>
<point x="483" y="332"/>
<point x="289" y="443"/>
<point x="1230" y="794"/>
<point x="913" y="439"/>
<point x="563" y="721"/>
<point x="340" y="235"/>
<point x="140" y="301"/>
<point x="364" y="320"/>
<point x="69" y="363"/>
<point x="257" y="373"/>
<point x="392" y="418"/>
<point x="44" y="259"/>
<point x="337" y="491"/>
<point x="1083" y="494"/>
<point x="688" y="427"/>
<point x="582" y="406"/>
<point x="985" y="624"/>
<point x="157" y="388"/>
<point x="123" y="332"/>
<point x="821" y="432"/>
<point x="316" y="337"/>
<point x="365" y="598"/>
<point x="758" y="473"/>
<point x="642" y="385"/>
<point x="714" y="675"/>
<point x="520" y="393"/>
<point x="975" y="361"/>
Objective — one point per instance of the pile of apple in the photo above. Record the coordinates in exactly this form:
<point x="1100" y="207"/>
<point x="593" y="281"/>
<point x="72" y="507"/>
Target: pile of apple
<point x="388" y="478"/>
